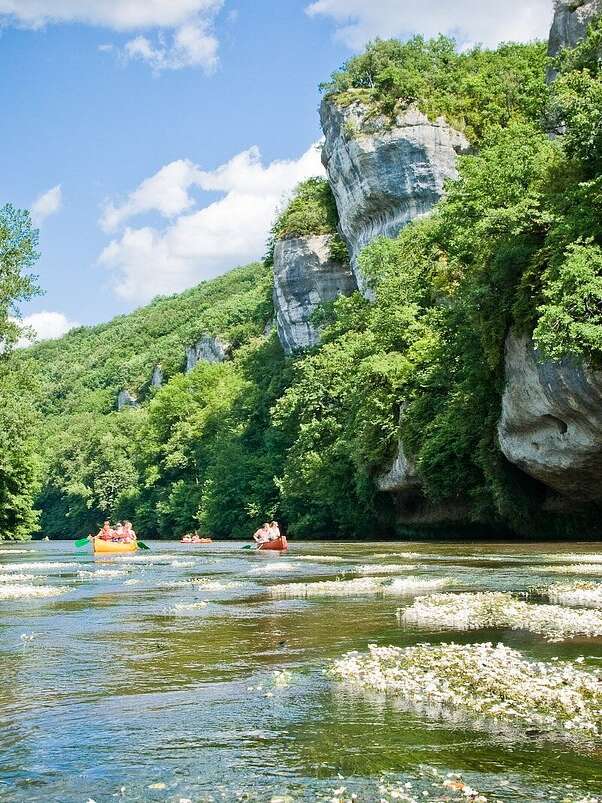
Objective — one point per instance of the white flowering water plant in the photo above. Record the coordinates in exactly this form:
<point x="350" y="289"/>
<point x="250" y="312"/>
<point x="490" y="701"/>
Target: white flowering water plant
<point x="482" y="682"/>
<point x="361" y="586"/>
<point x="581" y="593"/>
<point x="474" y="611"/>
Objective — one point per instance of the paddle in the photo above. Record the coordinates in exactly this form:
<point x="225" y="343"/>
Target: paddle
<point x="82" y="541"/>
<point x="142" y="545"/>
<point x="251" y="546"/>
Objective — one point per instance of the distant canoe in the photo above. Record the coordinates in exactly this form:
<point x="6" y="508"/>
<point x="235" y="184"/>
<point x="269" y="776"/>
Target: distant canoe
<point x="197" y="541"/>
<point x="102" y="547"/>
<point x="279" y="544"/>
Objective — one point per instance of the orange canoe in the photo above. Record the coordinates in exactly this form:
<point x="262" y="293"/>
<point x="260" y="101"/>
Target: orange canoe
<point x="279" y="543"/>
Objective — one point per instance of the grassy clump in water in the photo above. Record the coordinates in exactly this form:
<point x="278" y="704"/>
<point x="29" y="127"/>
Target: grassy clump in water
<point x="483" y="681"/>
<point x="501" y="610"/>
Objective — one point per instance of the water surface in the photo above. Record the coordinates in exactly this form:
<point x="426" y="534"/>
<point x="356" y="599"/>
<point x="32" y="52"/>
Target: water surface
<point x="135" y="684"/>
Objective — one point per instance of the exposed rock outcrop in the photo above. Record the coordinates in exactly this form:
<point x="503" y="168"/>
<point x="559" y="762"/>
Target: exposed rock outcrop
<point x="157" y="377"/>
<point x="551" y="422"/>
<point x="571" y="21"/>
<point x="207" y="349"/>
<point x="401" y="477"/>
<point x="305" y="276"/>
<point x="384" y="173"/>
<point x="126" y="399"/>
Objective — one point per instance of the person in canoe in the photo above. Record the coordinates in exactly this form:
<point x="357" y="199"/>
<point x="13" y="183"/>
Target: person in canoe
<point x="129" y="535"/>
<point x="274" y="531"/>
<point x="262" y="535"/>
<point x="106" y="532"/>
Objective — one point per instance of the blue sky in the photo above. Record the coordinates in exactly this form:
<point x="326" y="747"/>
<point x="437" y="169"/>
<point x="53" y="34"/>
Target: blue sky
<point x="161" y="134"/>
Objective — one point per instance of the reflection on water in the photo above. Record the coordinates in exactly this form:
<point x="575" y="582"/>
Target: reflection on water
<point x="178" y="675"/>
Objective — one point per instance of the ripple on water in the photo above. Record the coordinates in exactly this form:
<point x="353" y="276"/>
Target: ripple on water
<point x="17" y="567"/>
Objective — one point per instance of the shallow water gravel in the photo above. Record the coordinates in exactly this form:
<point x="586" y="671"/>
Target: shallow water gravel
<point x="177" y="675"/>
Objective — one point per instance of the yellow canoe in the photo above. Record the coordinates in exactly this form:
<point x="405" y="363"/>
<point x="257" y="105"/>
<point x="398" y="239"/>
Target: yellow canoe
<point x="103" y="547"/>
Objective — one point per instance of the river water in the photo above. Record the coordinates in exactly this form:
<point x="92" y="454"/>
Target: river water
<point x="136" y="684"/>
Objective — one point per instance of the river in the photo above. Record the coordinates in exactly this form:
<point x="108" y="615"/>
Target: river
<point x="127" y="681"/>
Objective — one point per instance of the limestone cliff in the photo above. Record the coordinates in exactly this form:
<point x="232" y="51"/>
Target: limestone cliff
<point x="126" y="399"/>
<point x="207" y="349"/>
<point x="551" y="422"/>
<point x="571" y="20"/>
<point x="384" y="173"/>
<point x="305" y="275"/>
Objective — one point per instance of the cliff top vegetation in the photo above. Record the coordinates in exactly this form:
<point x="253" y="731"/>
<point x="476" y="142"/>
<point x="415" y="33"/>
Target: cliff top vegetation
<point x="474" y="91"/>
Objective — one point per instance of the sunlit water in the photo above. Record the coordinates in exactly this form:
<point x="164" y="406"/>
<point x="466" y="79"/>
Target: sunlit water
<point x="134" y="684"/>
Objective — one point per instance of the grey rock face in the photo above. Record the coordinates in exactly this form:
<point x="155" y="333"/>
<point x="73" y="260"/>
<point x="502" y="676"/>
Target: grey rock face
<point x="551" y="422"/>
<point x="571" y="21"/>
<point x="384" y="175"/>
<point x="304" y="277"/>
<point x="401" y="477"/>
<point x="157" y="377"/>
<point x="208" y="349"/>
<point x="126" y="399"/>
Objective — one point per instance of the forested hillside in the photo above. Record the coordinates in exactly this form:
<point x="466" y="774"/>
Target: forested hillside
<point x="419" y="359"/>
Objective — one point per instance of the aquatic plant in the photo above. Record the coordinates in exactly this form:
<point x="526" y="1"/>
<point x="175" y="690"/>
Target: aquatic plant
<point x="482" y="681"/>
<point x="360" y="586"/>
<point x="414" y="585"/>
<point x="330" y="588"/>
<point x="101" y="574"/>
<point x="384" y="568"/>
<point x="26" y="591"/>
<point x="17" y="567"/>
<point x="579" y="592"/>
<point x="578" y="568"/>
<point x="474" y="611"/>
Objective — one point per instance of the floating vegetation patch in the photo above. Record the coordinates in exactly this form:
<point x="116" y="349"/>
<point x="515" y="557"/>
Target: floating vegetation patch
<point x="101" y="574"/>
<point x="185" y="607"/>
<point x="482" y="682"/>
<point x="331" y="588"/>
<point x="384" y="568"/>
<point x="575" y="557"/>
<point x="145" y="558"/>
<point x="27" y="591"/>
<point x="501" y="610"/>
<point x="360" y="586"/>
<point x="273" y="566"/>
<point x="16" y="551"/>
<point x="208" y="584"/>
<point x="15" y="577"/>
<point x="416" y="585"/>
<point x="580" y="592"/>
<point x="17" y="567"/>
<point x="577" y="568"/>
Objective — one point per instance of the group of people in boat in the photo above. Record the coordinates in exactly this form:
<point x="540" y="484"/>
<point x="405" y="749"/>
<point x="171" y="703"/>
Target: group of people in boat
<point x="269" y="532"/>
<point x="122" y="533"/>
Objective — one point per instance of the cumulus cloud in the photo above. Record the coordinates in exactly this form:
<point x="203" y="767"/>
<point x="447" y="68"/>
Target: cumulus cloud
<point x="166" y="192"/>
<point x="184" y="37"/>
<point x="198" y="243"/>
<point x="469" y="21"/>
<point x="46" y="204"/>
<point x="43" y="326"/>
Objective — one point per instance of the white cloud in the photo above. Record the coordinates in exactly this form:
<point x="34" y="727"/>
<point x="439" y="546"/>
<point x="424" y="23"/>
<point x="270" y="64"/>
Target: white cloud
<point x="199" y="244"/>
<point x="470" y="21"/>
<point x="43" y="326"/>
<point x="166" y="192"/>
<point x="46" y="204"/>
<point x="184" y="36"/>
